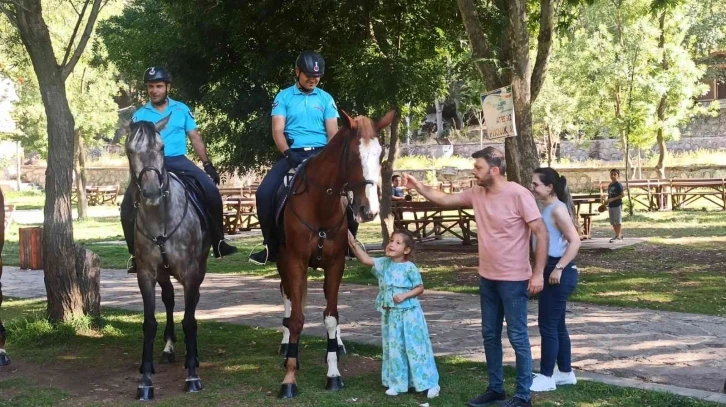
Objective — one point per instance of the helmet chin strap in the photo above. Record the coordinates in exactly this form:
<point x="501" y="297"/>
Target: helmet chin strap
<point x="301" y="88"/>
<point x="162" y="103"/>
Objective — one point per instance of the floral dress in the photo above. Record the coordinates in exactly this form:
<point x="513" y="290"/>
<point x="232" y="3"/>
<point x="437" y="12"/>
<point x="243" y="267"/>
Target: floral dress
<point x="408" y="358"/>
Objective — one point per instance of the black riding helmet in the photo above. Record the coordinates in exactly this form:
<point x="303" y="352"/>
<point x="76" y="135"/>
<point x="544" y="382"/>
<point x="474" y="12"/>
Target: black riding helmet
<point x="311" y="63"/>
<point x="156" y="73"/>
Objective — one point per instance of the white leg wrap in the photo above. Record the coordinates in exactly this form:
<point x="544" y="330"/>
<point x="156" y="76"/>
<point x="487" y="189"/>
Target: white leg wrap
<point x="169" y="348"/>
<point x="2" y="351"/>
<point x="288" y="311"/>
<point x="337" y="336"/>
<point x="331" y="325"/>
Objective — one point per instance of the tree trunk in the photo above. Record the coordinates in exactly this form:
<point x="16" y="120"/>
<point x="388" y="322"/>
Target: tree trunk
<point x="660" y="166"/>
<point x="385" y="213"/>
<point x="439" y="119"/>
<point x="81" y="182"/>
<point x="65" y="293"/>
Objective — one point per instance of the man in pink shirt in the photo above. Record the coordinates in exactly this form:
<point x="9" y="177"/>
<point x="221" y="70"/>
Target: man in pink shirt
<point x="506" y="216"/>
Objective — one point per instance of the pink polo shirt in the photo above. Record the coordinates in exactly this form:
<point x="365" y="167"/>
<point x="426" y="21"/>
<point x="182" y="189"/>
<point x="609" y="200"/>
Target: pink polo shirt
<point x="502" y="230"/>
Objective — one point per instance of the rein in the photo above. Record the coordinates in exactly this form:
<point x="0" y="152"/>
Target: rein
<point x="160" y="241"/>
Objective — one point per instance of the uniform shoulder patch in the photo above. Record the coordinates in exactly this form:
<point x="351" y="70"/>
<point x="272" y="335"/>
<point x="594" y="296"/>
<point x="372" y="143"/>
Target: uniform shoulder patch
<point x="275" y="104"/>
<point x="190" y="114"/>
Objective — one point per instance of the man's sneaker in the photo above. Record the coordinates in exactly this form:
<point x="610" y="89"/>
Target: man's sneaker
<point x="543" y="383"/>
<point x="433" y="392"/>
<point x="517" y="402"/>
<point x="616" y="239"/>
<point x="131" y="265"/>
<point x="487" y="397"/>
<point x="224" y="249"/>
<point x="564" y="378"/>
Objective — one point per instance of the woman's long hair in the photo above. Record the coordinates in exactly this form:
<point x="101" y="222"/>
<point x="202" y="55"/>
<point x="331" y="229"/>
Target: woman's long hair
<point x="549" y="176"/>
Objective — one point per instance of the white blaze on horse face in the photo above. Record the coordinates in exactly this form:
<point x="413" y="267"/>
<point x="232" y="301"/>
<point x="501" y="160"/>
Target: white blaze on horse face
<point x="370" y="153"/>
<point x="288" y="312"/>
<point x="331" y="325"/>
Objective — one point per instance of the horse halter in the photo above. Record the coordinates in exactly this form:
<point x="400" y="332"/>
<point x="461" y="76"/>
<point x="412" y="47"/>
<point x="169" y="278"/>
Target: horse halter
<point x="162" y="176"/>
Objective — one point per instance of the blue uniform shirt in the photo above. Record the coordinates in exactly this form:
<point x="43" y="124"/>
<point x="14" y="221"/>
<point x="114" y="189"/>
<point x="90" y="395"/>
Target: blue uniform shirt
<point x="174" y="135"/>
<point x="305" y="115"/>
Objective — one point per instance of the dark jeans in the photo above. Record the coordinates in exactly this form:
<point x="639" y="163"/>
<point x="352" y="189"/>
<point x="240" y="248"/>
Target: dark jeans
<point x="552" y="328"/>
<point x="499" y="300"/>
<point x="177" y="164"/>
<point x="265" y="196"/>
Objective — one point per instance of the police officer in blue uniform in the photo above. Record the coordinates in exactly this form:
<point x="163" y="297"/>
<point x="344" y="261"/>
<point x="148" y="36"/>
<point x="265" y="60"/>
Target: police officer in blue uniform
<point x="304" y="118"/>
<point x="180" y="126"/>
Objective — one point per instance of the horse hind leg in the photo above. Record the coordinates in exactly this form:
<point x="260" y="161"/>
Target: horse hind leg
<point x="297" y="282"/>
<point x="167" y="296"/>
<point x="334" y="381"/>
<point x="147" y="285"/>
<point x="4" y="359"/>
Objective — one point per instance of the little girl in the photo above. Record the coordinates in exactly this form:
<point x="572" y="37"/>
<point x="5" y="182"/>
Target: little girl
<point x="408" y="358"/>
<point x="560" y="280"/>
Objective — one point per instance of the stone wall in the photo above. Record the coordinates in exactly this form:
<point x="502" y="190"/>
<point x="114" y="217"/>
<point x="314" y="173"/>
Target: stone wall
<point x="582" y="179"/>
<point x="610" y="150"/>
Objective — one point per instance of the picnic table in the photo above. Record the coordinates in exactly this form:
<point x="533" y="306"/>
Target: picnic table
<point x="428" y="221"/>
<point x="652" y="194"/>
<point x="98" y="194"/>
<point x="687" y="190"/>
<point x="239" y="209"/>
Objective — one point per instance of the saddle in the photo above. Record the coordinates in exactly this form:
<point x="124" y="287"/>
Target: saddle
<point x="197" y="198"/>
<point x="281" y="196"/>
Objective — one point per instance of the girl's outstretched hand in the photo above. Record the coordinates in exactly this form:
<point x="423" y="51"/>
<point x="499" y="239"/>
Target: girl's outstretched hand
<point x="351" y="241"/>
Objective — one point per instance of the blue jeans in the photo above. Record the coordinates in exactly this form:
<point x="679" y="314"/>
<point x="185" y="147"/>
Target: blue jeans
<point x="499" y="300"/>
<point x="552" y="306"/>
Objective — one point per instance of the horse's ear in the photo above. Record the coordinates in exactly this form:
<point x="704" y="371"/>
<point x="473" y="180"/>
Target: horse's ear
<point x="386" y="120"/>
<point x="347" y="120"/>
<point x="162" y="123"/>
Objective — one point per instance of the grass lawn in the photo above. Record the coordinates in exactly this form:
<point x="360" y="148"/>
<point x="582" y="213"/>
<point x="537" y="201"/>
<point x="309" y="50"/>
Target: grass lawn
<point x="79" y="365"/>
<point x="681" y="267"/>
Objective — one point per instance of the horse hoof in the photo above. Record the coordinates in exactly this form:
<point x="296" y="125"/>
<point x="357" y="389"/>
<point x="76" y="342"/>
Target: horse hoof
<point x="283" y="349"/>
<point x="334" y="383"/>
<point x="193" y="385"/>
<point x="145" y="393"/>
<point x="168" y="357"/>
<point x="288" y="391"/>
<point x="4" y="360"/>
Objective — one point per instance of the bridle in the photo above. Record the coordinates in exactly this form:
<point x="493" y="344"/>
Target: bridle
<point x="322" y="232"/>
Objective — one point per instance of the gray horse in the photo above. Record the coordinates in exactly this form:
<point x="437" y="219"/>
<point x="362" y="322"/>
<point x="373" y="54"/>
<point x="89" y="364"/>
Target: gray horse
<point x="169" y="242"/>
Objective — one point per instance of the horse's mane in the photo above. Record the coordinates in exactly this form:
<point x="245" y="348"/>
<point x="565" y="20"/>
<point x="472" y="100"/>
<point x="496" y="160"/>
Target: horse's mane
<point x="142" y="131"/>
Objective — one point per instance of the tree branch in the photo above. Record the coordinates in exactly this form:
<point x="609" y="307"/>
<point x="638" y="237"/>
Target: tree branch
<point x="68" y="68"/>
<point x="479" y="45"/>
<point x="10" y="14"/>
<point x="75" y="31"/>
<point x="544" y="47"/>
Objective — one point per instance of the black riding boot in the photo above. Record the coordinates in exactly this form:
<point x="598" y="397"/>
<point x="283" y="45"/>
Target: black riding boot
<point x="220" y="247"/>
<point x="352" y="227"/>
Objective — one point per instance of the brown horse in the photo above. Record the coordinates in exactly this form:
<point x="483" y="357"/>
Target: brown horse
<point x="4" y="360"/>
<point x="316" y="231"/>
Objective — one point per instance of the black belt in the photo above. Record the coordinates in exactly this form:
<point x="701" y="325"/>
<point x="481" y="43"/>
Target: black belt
<point x="301" y="149"/>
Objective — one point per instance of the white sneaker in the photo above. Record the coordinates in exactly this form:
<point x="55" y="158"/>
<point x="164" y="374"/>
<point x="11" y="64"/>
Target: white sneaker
<point x="433" y="392"/>
<point x="543" y="383"/>
<point x="564" y="378"/>
<point x="391" y="392"/>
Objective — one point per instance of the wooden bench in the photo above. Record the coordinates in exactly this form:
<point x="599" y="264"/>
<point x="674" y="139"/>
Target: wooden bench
<point x="99" y="195"/>
<point x="239" y="214"/>
<point x="587" y="225"/>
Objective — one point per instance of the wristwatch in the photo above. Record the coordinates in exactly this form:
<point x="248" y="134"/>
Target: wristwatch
<point x="559" y="266"/>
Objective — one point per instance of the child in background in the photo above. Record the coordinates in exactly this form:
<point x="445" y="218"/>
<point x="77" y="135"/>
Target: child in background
<point x="408" y="358"/>
<point x="615" y="204"/>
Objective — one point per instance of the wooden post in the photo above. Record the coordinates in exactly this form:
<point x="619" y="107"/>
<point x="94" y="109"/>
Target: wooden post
<point x="31" y="252"/>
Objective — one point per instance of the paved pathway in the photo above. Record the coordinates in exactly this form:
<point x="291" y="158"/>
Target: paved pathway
<point x="678" y="349"/>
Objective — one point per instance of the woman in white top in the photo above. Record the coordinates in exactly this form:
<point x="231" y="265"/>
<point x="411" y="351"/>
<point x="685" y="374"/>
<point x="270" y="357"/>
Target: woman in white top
<point x="560" y="278"/>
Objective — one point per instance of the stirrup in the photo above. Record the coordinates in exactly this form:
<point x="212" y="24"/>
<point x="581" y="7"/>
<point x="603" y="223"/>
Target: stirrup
<point x="129" y="262"/>
<point x="253" y="251"/>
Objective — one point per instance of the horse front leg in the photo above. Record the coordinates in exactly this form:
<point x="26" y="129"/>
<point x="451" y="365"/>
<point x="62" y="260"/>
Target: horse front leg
<point x="285" y="320"/>
<point x="333" y="276"/>
<point x="167" y="296"/>
<point x="296" y="285"/>
<point x="193" y="383"/>
<point x="147" y="286"/>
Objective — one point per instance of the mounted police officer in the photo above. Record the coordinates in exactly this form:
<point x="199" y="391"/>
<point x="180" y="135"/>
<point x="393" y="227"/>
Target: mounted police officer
<point x="180" y="126"/>
<point x="304" y="119"/>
